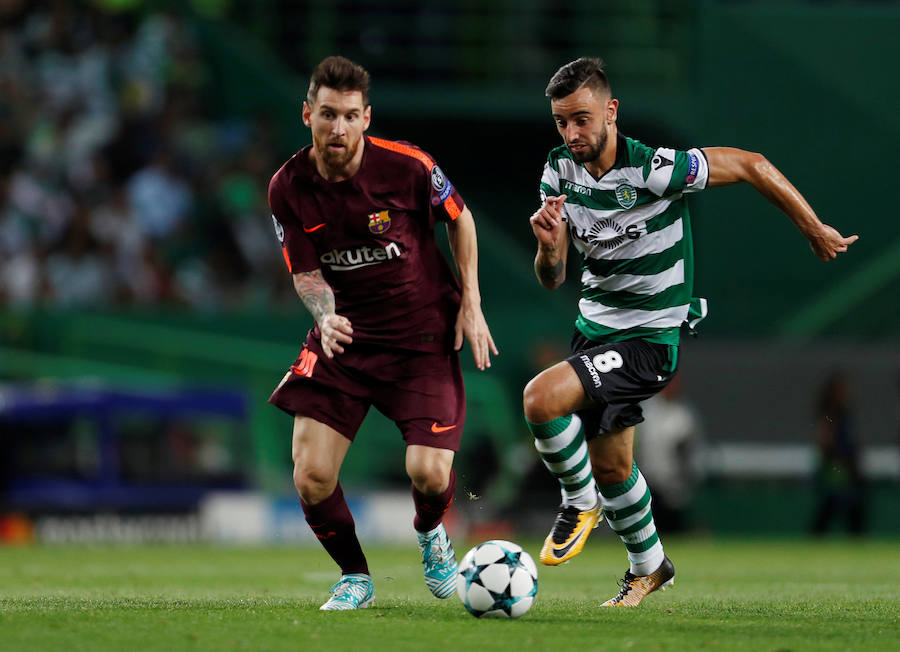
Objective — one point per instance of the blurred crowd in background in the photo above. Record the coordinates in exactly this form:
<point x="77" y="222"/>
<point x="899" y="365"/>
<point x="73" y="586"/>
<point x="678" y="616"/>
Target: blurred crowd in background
<point x="119" y="185"/>
<point x="128" y="179"/>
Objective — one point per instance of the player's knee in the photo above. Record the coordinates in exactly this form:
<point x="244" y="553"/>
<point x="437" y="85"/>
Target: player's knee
<point x="430" y="478"/>
<point x="610" y="473"/>
<point x="536" y="402"/>
<point x="314" y="484"/>
<point x="429" y="485"/>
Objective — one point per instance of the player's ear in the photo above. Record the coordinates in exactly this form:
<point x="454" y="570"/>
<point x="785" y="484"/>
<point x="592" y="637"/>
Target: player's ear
<point x="367" y="117"/>
<point x="612" y="110"/>
<point x="307" y="112"/>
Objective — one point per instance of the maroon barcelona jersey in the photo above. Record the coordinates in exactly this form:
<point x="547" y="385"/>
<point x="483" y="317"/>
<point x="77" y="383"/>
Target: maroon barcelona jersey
<point x="372" y="235"/>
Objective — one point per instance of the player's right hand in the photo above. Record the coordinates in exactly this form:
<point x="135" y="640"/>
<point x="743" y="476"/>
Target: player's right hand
<point x="336" y="331"/>
<point x="827" y="243"/>
<point x="548" y="219"/>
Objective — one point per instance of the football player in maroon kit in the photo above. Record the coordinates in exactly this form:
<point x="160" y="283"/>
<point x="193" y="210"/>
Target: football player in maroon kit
<point x="355" y="216"/>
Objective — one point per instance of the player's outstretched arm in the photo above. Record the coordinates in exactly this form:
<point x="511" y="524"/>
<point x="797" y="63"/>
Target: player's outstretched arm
<point x="729" y="165"/>
<point x="470" y="322"/>
<point x="318" y="297"/>
<point x="549" y="226"/>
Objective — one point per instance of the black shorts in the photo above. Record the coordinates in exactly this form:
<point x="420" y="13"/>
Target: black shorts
<point x="617" y="377"/>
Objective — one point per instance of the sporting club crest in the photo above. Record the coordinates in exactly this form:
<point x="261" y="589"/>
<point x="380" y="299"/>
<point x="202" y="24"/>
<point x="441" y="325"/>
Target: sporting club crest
<point x="626" y="195"/>
<point x="379" y="222"/>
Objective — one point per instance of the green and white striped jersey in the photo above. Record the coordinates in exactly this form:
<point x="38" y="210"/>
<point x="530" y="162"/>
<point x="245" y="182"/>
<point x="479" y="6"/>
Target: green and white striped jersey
<point x="632" y="226"/>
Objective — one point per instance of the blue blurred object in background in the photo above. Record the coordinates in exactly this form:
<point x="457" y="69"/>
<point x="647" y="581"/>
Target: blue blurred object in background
<point x="72" y="448"/>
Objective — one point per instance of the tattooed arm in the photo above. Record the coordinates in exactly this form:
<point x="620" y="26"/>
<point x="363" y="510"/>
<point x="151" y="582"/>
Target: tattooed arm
<point x="318" y="297"/>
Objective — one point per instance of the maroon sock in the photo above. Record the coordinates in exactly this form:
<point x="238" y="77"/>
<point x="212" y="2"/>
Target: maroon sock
<point x="430" y="509"/>
<point x="333" y="526"/>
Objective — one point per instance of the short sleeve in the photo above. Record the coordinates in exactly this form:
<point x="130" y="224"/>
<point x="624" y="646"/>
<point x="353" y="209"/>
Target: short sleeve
<point x="296" y="247"/>
<point x="671" y="171"/>
<point x="445" y="201"/>
<point x="549" y="182"/>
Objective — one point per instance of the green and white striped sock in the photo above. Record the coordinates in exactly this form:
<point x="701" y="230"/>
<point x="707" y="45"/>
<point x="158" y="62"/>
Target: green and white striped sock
<point x="562" y="447"/>
<point x="627" y="509"/>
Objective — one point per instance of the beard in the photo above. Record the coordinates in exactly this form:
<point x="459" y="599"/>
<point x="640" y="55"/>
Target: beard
<point x="591" y="152"/>
<point x="338" y="159"/>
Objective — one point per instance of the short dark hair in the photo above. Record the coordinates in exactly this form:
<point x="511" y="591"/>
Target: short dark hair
<point x="586" y="71"/>
<point x="341" y="74"/>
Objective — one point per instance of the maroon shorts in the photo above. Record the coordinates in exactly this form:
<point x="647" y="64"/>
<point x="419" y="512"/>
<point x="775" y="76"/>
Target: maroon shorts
<point x="421" y="392"/>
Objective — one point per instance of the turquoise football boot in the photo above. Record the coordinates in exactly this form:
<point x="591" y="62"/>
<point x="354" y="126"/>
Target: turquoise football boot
<point x="439" y="562"/>
<point x="354" y="591"/>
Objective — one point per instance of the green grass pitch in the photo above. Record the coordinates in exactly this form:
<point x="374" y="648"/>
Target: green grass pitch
<point x="728" y="595"/>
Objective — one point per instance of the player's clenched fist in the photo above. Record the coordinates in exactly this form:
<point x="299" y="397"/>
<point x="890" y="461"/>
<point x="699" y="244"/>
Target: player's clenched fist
<point x="827" y="242"/>
<point x="547" y="219"/>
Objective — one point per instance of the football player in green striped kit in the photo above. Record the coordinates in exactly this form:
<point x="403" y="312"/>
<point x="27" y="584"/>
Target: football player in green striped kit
<point x="623" y="206"/>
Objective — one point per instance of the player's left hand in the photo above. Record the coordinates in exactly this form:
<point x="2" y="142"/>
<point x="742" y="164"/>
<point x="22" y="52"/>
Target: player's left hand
<point x="471" y="325"/>
<point x="827" y="243"/>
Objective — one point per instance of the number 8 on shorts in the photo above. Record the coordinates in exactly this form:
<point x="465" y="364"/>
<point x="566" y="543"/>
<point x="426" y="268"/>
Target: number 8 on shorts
<point x="607" y="361"/>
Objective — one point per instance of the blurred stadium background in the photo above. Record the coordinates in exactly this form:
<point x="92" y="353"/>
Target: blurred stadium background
<point x="145" y="314"/>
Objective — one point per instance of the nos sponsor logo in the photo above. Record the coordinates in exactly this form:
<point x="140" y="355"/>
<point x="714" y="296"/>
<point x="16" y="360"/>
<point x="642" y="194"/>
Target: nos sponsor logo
<point x="607" y="233"/>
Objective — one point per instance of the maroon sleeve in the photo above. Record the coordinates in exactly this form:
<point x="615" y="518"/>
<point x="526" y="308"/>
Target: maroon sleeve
<point x="446" y="202"/>
<point x="298" y="250"/>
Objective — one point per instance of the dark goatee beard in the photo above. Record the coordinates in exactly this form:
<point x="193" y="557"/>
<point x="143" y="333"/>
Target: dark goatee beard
<point x="591" y="153"/>
<point x="336" y="160"/>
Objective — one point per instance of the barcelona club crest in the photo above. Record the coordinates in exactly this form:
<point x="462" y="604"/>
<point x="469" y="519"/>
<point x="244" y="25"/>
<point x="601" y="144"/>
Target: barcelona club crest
<point x="626" y="195"/>
<point x="379" y="222"/>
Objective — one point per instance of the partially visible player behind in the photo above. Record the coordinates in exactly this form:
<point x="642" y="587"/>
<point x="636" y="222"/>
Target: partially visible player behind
<point x="355" y="217"/>
<point x="622" y="204"/>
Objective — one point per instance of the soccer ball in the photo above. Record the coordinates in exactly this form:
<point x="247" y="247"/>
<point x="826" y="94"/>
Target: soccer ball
<point x="497" y="579"/>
